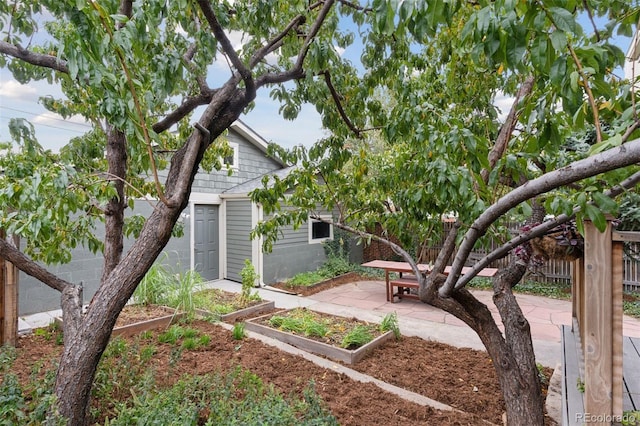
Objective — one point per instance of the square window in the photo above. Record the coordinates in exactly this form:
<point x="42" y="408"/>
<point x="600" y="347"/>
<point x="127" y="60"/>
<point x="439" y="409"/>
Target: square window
<point x="319" y="231"/>
<point x="232" y="159"/>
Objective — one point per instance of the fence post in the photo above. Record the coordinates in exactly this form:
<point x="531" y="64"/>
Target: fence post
<point x="602" y="352"/>
<point x="8" y="300"/>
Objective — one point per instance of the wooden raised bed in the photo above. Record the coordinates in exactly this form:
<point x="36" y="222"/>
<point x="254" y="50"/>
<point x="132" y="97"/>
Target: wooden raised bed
<point x="346" y="356"/>
<point x="254" y="310"/>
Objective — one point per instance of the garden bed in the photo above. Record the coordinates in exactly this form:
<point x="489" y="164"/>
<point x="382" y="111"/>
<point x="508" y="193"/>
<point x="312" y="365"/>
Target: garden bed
<point x="330" y="341"/>
<point x="134" y="319"/>
<point x="462" y="378"/>
<point x="229" y="307"/>
<point x="307" y="290"/>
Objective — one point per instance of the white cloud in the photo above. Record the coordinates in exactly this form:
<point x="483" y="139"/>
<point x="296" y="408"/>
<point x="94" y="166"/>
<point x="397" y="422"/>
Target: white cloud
<point x="14" y="90"/>
<point x="51" y="119"/>
<point x="503" y="103"/>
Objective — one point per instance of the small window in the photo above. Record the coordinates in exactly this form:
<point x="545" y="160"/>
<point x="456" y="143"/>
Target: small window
<point x="232" y="159"/>
<point x="319" y="231"/>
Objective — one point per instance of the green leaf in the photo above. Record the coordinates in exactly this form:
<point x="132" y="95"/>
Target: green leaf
<point x="596" y="216"/>
<point x="563" y="19"/>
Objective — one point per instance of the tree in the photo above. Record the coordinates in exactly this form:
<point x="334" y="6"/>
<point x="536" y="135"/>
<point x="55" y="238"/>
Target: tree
<point x="447" y="153"/>
<point x="123" y="65"/>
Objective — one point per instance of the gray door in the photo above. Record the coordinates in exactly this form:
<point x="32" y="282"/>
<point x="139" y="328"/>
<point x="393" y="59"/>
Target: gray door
<point x="206" y="241"/>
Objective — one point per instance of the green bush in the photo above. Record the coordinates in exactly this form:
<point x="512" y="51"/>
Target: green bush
<point x="213" y="400"/>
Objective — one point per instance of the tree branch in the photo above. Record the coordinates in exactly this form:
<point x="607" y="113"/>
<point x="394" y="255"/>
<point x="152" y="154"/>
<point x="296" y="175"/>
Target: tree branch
<point x="29" y="267"/>
<point x="186" y="107"/>
<point x="38" y="59"/>
<point x="260" y="54"/>
<point x="218" y="32"/>
<point x="622" y="156"/>
<point x="336" y="100"/>
<point x="507" y="127"/>
<point x="538" y="231"/>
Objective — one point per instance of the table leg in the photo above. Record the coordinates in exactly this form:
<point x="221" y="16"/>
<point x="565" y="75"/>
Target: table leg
<point x="386" y="279"/>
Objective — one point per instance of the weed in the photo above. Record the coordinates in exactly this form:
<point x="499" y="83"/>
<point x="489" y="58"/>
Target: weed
<point x="189" y="343"/>
<point x="360" y="335"/>
<point x="238" y="331"/>
<point x="390" y="323"/>
<point x="249" y="279"/>
<point x="204" y="340"/>
<point x="543" y="378"/>
<point x="580" y="385"/>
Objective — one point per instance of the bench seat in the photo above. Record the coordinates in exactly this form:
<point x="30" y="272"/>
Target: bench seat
<point x="404" y="286"/>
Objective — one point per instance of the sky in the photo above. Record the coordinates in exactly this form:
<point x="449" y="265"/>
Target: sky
<point x="17" y="100"/>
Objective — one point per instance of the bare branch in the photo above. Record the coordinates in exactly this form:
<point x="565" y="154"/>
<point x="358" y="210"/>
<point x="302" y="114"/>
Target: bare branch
<point x="29" y="267"/>
<point x="260" y="54"/>
<point x="315" y="28"/>
<point x="218" y="32"/>
<point x="38" y="59"/>
<point x="185" y="108"/>
<point x="508" y="127"/>
<point x="622" y="156"/>
<point x="336" y="99"/>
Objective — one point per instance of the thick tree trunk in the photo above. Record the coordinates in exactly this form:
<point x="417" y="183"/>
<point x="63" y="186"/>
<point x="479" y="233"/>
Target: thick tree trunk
<point x="512" y="353"/>
<point x="87" y="337"/>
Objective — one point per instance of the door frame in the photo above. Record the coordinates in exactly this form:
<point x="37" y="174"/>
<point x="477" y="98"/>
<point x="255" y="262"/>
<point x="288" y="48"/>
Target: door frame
<point x="199" y="198"/>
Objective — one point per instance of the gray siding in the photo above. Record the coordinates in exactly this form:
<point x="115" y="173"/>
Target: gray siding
<point x="86" y="267"/>
<point x="292" y="254"/>
<point x="252" y="163"/>
<point x="238" y="213"/>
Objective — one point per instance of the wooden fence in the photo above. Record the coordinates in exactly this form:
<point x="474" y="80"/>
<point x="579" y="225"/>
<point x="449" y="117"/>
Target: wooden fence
<point x="554" y="271"/>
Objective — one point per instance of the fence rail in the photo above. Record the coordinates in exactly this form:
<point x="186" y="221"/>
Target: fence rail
<point x="553" y="271"/>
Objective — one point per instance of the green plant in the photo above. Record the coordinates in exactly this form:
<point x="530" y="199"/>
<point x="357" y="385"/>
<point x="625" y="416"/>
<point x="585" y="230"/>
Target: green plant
<point x="172" y="335"/>
<point x="249" y="278"/>
<point x="631" y="418"/>
<point x="390" y="323"/>
<point x="155" y="285"/>
<point x="580" y="385"/>
<point x="543" y="378"/>
<point x="238" y="331"/>
<point x="360" y="335"/>
<point x="181" y="296"/>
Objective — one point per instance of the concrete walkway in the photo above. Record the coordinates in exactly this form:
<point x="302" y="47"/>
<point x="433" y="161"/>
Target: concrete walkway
<point x="366" y="300"/>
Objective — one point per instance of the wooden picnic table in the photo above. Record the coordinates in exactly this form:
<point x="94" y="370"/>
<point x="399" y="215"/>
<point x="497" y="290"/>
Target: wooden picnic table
<point x="404" y="267"/>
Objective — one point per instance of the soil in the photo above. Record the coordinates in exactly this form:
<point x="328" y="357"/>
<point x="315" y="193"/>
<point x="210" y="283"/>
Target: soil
<point x="462" y="378"/>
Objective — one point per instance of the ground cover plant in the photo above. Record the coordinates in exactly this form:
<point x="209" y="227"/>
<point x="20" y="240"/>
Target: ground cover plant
<point x="347" y="333"/>
<point x="140" y="375"/>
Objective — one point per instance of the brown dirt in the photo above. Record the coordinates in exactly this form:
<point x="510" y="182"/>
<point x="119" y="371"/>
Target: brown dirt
<point x="462" y="378"/>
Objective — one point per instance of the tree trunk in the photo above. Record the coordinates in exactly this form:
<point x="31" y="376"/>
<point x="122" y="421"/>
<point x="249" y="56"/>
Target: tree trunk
<point x="512" y="353"/>
<point x="86" y="337"/>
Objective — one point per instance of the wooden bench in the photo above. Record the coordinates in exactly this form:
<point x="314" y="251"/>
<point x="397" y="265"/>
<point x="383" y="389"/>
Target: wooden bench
<point x="404" y="286"/>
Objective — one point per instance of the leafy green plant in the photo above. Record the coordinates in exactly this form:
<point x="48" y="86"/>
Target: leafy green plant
<point x="240" y="395"/>
<point x="390" y="323"/>
<point x="360" y="335"/>
<point x="249" y="278"/>
<point x="238" y="331"/>
<point x="631" y="418"/>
